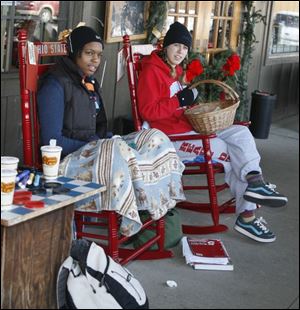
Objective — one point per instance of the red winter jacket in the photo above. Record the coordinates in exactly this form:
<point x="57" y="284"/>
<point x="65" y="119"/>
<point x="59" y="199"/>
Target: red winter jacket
<point x="157" y="100"/>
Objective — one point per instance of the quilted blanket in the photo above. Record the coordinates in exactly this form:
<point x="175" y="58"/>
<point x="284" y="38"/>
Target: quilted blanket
<point x="141" y="171"/>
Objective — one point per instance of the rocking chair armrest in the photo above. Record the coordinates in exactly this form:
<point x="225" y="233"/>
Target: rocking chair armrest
<point x="192" y="137"/>
<point x="243" y="123"/>
<point x="201" y="137"/>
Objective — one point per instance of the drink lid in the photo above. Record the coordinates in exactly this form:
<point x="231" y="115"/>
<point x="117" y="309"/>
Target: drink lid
<point x="50" y="148"/>
<point x="9" y="160"/>
<point x="52" y="185"/>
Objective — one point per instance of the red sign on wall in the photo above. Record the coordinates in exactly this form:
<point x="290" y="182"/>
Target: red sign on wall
<point x="51" y="48"/>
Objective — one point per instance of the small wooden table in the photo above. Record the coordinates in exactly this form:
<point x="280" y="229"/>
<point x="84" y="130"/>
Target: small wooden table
<point x="35" y="242"/>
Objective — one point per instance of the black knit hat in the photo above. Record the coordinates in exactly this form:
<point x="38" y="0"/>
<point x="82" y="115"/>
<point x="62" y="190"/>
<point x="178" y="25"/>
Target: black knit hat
<point x="178" y="33"/>
<point x="80" y="36"/>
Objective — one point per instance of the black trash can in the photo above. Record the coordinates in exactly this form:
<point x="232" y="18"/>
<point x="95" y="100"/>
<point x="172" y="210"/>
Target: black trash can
<point x="261" y="113"/>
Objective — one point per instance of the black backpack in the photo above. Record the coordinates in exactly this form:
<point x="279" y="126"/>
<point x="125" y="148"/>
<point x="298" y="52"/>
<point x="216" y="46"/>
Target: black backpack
<point x="89" y="279"/>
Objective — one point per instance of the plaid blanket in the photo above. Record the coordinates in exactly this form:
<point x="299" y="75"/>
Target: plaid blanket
<point x="141" y="171"/>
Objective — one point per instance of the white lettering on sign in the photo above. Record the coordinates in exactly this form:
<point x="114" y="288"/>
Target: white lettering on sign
<point x="42" y="49"/>
<point x="52" y="48"/>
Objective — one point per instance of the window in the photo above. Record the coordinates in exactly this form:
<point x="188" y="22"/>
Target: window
<point x="40" y="18"/>
<point x="224" y="25"/>
<point x="214" y="24"/>
<point x="283" y="41"/>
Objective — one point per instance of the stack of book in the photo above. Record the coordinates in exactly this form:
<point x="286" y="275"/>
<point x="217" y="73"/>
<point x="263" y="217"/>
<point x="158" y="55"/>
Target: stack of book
<point x="206" y="254"/>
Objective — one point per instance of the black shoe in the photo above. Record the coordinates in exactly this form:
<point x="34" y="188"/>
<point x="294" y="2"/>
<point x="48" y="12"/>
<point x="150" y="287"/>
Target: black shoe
<point x="264" y="194"/>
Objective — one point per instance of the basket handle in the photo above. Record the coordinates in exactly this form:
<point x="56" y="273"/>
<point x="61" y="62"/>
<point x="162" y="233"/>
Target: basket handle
<point x="224" y="86"/>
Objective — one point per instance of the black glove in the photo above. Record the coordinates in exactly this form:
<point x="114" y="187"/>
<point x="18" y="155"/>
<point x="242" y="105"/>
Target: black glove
<point x="187" y="96"/>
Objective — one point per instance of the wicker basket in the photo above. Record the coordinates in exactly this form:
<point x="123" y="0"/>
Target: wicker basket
<point x="207" y="118"/>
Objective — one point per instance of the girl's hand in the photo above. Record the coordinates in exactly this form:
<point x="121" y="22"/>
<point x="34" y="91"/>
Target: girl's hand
<point x="187" y="96"/>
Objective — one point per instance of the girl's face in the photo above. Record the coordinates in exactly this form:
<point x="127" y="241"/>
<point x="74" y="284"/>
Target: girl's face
<point x="176" y="53"/>
<point x="90" y="58"/>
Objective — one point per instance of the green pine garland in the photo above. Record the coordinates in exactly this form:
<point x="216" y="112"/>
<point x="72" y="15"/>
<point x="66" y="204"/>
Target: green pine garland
<point x="251" y="17"/>
<point x="158" y="12"/>
<point x="212" y="71"/>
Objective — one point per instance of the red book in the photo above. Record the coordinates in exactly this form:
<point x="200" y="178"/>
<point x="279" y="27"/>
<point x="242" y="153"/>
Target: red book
<point x="208" y="250"/>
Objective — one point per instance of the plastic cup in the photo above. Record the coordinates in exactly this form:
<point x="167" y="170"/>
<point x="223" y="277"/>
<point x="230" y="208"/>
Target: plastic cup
<point x="8" y="178"/>
<point x="9" y="162"/>
<point x="50" y="160"/>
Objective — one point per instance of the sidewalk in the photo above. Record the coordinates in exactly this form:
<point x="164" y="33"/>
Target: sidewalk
<point x="265" y="275"/>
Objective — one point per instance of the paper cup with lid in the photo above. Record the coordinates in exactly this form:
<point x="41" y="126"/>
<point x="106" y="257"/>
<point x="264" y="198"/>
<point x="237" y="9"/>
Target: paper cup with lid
<point x="50" y="159"/>
<point x="8" y="178"/>
<point x="9" y="162"/>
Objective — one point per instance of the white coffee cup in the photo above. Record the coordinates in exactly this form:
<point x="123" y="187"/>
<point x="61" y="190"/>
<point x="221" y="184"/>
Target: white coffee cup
<point x="9" y="162"/>
<point x="8" y="178"/>
<point x="50" y="160"/>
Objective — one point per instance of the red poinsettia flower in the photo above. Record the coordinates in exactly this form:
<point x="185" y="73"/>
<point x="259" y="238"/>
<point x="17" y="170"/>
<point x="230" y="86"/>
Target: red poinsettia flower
<point x="233" y="64"/>
<point x="194" y="68"/>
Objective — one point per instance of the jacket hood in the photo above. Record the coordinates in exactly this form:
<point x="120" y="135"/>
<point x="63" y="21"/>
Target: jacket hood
<point x="66" y="66"/>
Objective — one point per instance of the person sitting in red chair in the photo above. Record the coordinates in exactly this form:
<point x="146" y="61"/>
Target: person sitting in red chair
<point x="70" y="106"/>
<point x="162" y="99"/>
<point x="139" y="170"/>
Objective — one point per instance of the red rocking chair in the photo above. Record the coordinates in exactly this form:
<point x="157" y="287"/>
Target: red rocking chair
<point x="133" y="55"/>
<point x="30" y="69"/>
